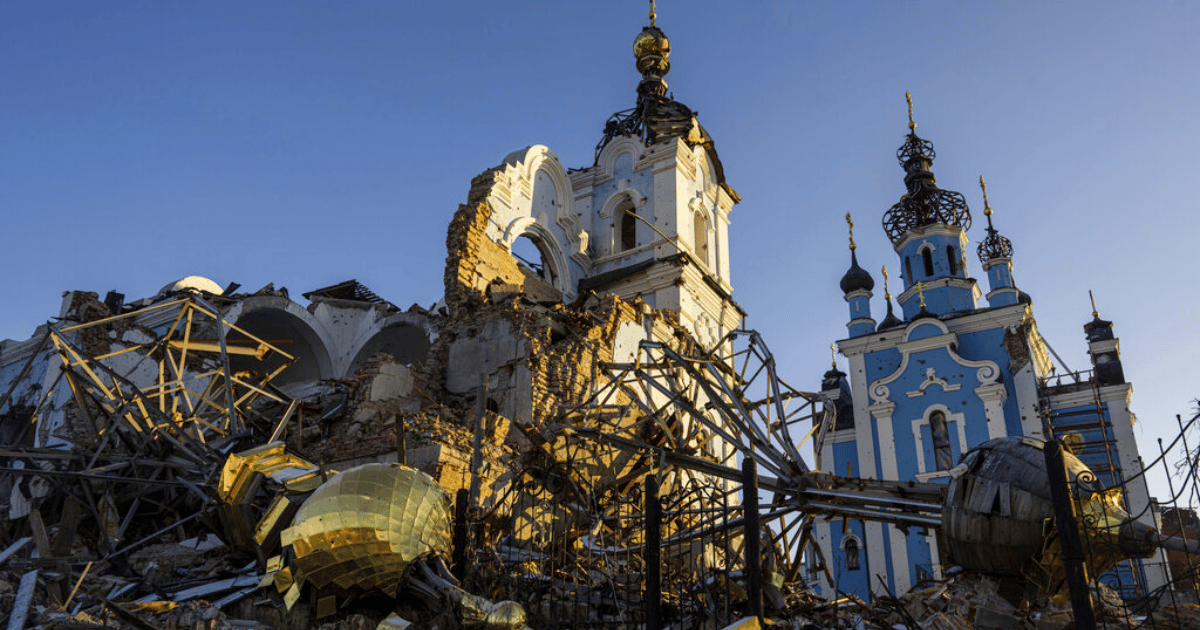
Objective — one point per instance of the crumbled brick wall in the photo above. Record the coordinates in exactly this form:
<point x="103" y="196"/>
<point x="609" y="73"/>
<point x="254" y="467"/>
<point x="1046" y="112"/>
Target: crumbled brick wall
<point x="473" y="260"/>
<point x="1185" y="568"/>
<point x="367" y="426"/>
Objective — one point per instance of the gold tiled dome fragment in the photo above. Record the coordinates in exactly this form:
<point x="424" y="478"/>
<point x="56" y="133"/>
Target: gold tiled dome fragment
<point x="364" y="528"/>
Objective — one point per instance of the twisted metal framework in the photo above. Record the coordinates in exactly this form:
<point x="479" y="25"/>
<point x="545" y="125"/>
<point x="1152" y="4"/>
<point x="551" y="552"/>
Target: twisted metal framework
<point x="693" y="418"/>
<point x="924" y="203"/>
<point x="196" y="397"/>
<point x="154" y="418"/>
<point x="654" y="116"/>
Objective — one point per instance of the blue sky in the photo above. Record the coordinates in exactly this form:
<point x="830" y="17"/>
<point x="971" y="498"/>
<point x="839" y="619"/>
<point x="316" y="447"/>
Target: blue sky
<point x="305" y="143"/>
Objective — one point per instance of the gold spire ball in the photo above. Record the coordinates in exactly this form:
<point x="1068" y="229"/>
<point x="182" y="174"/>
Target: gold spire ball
<point x="652" y="49"/>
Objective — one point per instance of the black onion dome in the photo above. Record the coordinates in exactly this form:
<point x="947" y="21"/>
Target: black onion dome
<point x="994" y="245"/>
<point x="924" y="203"/>
<point x="832" y="379"/>
<point x="890" y="321"/>
<point x="856" y="277"/>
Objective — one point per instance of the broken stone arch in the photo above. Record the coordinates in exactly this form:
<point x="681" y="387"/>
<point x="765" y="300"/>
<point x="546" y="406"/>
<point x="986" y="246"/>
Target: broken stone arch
<point x="283" y="323"/>
<point x="543" y="239"/>
<point x="405" y="336"/>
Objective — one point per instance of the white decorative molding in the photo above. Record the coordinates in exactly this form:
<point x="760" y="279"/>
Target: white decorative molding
<point x="937" y="283"/>
<point x="933" y="229"/>
<point x="1085" y="397"/>
<point x="985" y="371"/>
<point x="607" y="163"/>
<point x="623" y="192"/>
<point x="931" y="378"/>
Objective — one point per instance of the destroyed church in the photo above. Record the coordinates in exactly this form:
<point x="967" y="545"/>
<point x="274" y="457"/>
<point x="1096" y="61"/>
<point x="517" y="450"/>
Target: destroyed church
<point x="574" y="441"/>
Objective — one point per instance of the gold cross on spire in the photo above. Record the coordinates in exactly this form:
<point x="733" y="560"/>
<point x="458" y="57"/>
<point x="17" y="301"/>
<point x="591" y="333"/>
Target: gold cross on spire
<point x="850" y="222"/>
<point x="833" y="353"/>
<point x="987" y="210"/>
<point x="887" y="295"/>
<point x="1091" y="297"/>
<point x="912" y="126"/>
<point x="652" y="13"/>
<point x="921" y="293"/>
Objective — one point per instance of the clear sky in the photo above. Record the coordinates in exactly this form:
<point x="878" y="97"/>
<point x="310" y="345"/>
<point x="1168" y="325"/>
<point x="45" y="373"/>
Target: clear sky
<point x="306" y="143"/>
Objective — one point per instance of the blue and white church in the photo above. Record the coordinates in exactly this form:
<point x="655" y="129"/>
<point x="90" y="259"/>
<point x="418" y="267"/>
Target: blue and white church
<point x="949" y="373"/>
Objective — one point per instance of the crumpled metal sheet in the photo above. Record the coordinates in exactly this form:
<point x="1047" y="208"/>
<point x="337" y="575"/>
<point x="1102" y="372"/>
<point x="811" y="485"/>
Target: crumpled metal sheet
<point x="363" y="528"/>
<point x="272" y="460"/>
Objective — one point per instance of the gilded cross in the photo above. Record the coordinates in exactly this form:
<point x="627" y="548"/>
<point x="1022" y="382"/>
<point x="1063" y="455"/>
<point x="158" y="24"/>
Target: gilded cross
<point x="911" y="125"/>
<point x="987" y="210"/>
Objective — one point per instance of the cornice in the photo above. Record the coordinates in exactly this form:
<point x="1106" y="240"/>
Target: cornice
<point x="926" y="231"/>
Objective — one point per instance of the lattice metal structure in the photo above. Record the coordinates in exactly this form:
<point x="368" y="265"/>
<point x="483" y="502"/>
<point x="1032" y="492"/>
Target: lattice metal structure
<point x="693" y="419"/>
<point x="196" y="397"/>
<point x="153" y="418"/>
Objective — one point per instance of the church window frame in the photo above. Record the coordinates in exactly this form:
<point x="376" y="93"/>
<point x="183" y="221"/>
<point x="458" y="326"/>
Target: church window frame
<point x="956" y="430"/>
<point x="952" y="258"/>
<point x="852" y="549"/>
<point x="927" y="260"/>
<point x="939" y="431"/>
<point x="626" y="236"/>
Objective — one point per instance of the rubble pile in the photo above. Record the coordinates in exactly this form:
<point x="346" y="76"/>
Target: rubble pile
<point x="206" y="460"/>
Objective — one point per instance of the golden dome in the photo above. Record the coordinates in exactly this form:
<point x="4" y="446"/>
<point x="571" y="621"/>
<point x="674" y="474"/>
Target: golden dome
<point x="652" y="49"/>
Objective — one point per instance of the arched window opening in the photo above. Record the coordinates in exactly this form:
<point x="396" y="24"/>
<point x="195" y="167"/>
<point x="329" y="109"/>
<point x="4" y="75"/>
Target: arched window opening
<point x="628" y="223"/>
<point x="700" y="223"/>
<point x="908" y="271"/>
<point x="853" y="559"/>
<point x="950" y="256"/>
<point x="927" y="258"/>
<point x="941" y="440"/>
<point x="530" y="253"/>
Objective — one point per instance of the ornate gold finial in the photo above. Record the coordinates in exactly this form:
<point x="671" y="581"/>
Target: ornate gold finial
<point x="833" y="353"/>
<point x="652" y="13"/>
<point x="912" y="126"/>
<point x="921" y="294"/>
<point x="1091" y="297"/>
<point x="850" y="222"/>
<point x="987" y="210"/>
<point x="887" y="295"/>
